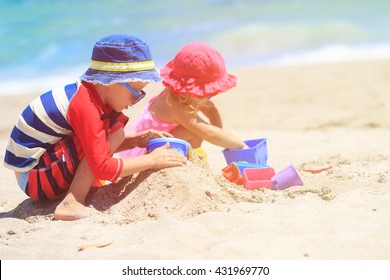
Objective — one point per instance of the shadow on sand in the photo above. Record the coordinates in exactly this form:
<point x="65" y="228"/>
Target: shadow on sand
<point x="102" y="198"/>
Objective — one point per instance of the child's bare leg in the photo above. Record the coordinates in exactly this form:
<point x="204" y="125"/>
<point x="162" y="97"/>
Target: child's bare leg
<point x="72" y="207"/>
<point x="188" y="136"/>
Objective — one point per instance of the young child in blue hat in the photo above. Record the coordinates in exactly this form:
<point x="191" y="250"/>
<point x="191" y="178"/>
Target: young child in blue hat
<point x="64" y="140"/>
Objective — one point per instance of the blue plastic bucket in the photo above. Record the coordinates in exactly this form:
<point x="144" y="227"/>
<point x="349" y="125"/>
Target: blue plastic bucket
<point x="242" y="165"/>
<point x="177" y="145"/>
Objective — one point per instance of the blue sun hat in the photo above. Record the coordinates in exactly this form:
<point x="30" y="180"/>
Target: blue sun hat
<point x="121" y="58"/>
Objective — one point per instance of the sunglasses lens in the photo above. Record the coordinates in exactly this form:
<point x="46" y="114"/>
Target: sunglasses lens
<point x="139" y="97"/>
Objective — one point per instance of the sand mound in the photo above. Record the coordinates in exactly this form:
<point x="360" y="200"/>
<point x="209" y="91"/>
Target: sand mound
<point x="181" y="192"/>
<point x="178" y="192"/>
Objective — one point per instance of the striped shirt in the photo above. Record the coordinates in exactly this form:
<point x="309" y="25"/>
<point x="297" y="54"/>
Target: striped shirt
<point x="74" y="108"/>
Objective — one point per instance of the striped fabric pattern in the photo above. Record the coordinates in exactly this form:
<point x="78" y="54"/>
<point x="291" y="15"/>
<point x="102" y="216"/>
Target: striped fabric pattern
<point x="54" y="172"/>
<point x="122" y="66"/>
<point x="42" y="124"/>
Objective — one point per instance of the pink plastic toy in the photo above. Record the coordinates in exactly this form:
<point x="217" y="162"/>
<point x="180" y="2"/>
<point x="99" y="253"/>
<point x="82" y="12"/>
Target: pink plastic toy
<point x="254" y="178"/>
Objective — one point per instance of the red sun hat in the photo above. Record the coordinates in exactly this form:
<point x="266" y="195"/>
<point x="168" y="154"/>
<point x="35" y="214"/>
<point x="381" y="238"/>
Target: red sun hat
<point x="197" y="70"/>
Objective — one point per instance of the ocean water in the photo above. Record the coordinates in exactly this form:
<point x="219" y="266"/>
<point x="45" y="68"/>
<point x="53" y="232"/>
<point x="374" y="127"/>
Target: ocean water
<point x="45" y="43"/>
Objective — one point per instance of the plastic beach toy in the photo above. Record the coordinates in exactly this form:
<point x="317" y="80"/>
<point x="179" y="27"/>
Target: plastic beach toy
<point x="200" y="152"/>
<point x="243" y="164"/>
<point x="254" y="178"/>
<point x="232" y="173"/>
<point x="256" y="153"/>
<point x="175" y="144"/>
<point x="286" y="178"/>
<point x="316" y="169"/>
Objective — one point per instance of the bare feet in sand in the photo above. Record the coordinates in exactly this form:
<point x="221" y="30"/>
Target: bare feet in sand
<point x="70" y="209"/>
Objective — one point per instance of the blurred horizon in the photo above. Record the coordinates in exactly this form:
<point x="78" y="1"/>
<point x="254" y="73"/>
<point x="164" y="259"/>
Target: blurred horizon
<point x="48" y="41"/>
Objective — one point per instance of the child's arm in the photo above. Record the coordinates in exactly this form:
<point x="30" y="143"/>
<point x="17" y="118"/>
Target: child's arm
<point x="159" y="158"/>
<point x="141" y="139"/>
<point x="213" y="134"/>
<point x="212" y="113"/>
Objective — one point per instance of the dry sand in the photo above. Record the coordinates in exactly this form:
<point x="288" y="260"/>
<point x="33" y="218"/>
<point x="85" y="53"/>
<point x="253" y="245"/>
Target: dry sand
<point x="334" y="114"/>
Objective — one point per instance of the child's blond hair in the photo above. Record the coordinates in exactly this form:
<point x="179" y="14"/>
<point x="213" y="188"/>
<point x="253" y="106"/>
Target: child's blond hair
<point x="191" y="104"/>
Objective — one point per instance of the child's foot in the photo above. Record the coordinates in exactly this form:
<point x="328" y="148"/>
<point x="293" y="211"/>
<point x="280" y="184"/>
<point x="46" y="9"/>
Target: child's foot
<point x="70" y="210"/>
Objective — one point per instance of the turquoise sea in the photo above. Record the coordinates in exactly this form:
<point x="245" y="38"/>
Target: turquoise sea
<point x="44" y="43"/>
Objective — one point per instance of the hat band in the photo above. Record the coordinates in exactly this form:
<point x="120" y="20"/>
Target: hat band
<point x="122" y="66"/>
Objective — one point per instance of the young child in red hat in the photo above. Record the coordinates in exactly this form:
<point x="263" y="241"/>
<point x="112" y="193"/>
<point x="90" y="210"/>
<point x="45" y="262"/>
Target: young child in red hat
<point x="196" y="74"/>
<point x="65" y="139"/>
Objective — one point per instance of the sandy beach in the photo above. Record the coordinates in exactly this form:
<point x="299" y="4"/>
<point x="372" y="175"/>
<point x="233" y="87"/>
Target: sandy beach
<point x="313" y="115"/>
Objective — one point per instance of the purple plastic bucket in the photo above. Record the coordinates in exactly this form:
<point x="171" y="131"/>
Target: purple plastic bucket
<point x="286" y="178"/>
<point x="256" y="153"/>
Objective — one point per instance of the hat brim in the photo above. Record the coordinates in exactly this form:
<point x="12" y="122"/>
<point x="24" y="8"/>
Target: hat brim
<point x="107" y="78"/>
<point x="195" y="87"/>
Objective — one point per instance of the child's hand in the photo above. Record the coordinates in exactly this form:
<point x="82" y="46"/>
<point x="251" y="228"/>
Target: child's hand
<point x="164" y="157"/>
<point x="144" y="137"/>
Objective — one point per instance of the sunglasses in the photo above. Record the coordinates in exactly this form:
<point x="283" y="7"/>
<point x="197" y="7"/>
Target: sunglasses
<point x="139" y="95"/>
